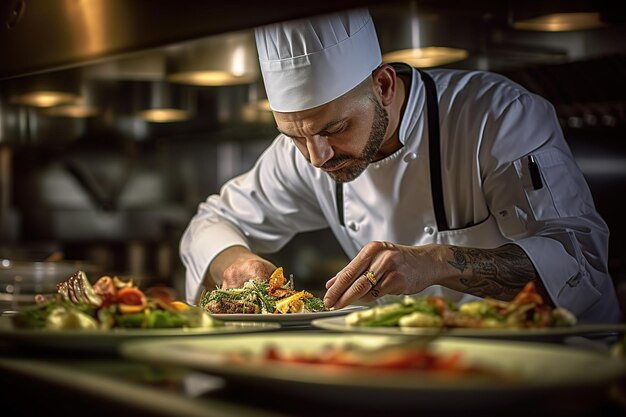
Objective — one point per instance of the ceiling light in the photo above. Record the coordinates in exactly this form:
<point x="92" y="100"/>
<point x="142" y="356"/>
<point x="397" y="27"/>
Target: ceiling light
<point x="72" y="110"/>
<point x="430" y="56"/>
<point x="221" y="60"/>
<point x="44" y="98"/>
<point x="84" y="106"/>
<point x="561" y="22"/>
<point x="210" y="78"/>
<point x="160" y="102"/>
<point x="425" y="44"/>
<point x="164" y="115"/>
<point x="46" y="90"/>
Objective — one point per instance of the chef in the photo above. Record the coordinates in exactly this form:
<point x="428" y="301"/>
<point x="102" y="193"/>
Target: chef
<point x="448" y="182"/>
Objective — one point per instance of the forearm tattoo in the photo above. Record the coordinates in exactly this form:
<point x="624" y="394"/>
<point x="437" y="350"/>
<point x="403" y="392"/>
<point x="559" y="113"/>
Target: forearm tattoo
<point x="499" y="273"/>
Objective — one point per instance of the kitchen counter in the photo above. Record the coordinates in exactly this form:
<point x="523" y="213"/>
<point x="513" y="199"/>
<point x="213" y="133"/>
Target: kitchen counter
<point x="71" y="384"/>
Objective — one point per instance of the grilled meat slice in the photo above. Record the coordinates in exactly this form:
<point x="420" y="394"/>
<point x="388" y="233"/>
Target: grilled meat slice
<point x="232" y="307"/>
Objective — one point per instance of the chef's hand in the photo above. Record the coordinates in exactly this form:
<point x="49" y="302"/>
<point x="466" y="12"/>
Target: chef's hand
<point x="236" y="265"/>
<point x="395" y="269"/>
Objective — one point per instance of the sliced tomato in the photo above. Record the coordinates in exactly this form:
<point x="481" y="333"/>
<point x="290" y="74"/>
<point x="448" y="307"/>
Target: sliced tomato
<point x="130" y="295"/>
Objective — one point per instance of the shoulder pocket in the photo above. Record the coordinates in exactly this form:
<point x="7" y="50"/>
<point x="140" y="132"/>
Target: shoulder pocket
<point x="554" y="185"/>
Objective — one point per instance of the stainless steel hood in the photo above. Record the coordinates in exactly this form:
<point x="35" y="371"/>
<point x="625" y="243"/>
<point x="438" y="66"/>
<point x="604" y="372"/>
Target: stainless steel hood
<point x="38" y="36"/>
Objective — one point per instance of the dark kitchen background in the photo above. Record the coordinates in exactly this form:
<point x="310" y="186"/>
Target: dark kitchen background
<point x="118" y="117"/>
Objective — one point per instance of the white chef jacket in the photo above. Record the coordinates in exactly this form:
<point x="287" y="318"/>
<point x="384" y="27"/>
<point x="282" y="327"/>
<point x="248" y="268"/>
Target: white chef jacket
<point x="489" y="126"/>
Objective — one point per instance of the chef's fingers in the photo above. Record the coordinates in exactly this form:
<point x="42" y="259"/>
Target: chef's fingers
<point x="370" y="294"/>
<point x="352" y="272"/>
<point x="374" y="294"/>
<point x="385" y="285"/>
<point x="367" y="290"/>
<point x="330" y="282"/>
<point x="358" y="290"/>
<point x="342" y="282"/>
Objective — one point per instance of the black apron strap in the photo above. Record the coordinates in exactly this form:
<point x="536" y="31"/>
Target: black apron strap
<point x="339" y="201"/>
<point x="434" y="156"/>
<point x="434" y="151"/>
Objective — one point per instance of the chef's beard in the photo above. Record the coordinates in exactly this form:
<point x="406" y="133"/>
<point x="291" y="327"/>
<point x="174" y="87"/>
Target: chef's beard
<point x="359" y="164"/>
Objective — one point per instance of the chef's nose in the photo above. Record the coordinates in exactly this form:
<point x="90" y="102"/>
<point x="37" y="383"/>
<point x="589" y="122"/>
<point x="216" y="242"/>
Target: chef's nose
<point x="319" y="150"/>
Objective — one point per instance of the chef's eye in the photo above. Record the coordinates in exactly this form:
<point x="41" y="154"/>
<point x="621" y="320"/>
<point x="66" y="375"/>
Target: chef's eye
<point x="333" y="132"/>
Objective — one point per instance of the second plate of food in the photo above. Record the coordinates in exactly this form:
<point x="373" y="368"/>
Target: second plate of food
<point x="339" y="324"/>
<point x="108" y="341"/>
<point x="386" y="371"/>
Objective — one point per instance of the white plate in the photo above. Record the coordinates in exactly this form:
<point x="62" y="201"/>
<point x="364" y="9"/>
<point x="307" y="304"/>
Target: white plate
<point x="291" y="319"/>
<point x="542" y="369"/>
<point x="546" y="334"/>
<point x="108" y="341"/>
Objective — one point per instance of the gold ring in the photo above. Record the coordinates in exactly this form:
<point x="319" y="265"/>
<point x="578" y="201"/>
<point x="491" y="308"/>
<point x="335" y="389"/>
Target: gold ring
<point x="371" y="278"/>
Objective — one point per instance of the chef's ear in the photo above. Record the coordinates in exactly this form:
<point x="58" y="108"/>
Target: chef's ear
<point x="385" y="83"/>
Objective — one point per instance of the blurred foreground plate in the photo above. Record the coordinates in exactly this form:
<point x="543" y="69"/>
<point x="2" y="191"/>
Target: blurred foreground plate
<point x="108" y="341"/>
<point x="291" y="319"/>
<point x="547" y="334"/>
<point x="539" y="369"/>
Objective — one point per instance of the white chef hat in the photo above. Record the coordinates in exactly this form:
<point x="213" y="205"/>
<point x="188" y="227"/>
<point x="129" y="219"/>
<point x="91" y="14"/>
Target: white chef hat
<point x="308" y="62"/>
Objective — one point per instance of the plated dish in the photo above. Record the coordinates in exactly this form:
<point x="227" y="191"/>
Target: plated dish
<point x="293" y="319"/>
<point x="107" y="341"/>
<point x="524" y="317"/>
<point x="339" y="324"/>
<point x="526" y="310"/>
<point x="274" y="300"/>
<point x="109" y="304"/>
<point x="97" y="317"/>
<point x="277" y="295"/>
<point x="521" y="370"/>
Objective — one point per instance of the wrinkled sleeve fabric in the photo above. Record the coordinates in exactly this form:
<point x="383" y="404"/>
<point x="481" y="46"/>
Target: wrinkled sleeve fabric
<point x="552" y="216"/>
<point x="261" y="210"/>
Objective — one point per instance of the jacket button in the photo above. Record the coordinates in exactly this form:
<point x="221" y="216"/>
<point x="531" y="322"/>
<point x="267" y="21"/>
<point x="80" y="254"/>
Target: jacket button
<point x="410" y="157"/>
<point x="353" y="226"/>
<point x="429" y="230"/>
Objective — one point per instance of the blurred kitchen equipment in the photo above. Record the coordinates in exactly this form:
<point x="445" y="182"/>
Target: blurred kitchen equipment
<point x="21" y="281"/>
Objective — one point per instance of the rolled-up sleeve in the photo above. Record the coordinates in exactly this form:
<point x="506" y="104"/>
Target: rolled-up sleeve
<point x="205" y="237"/>
<point x="574" y="277"/>
<point x="550" y="212"/>
<point x="261" y="210"/>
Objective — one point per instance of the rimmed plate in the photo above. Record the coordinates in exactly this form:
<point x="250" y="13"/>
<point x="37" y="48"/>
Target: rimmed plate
<point x="538" y="369"/>
<point x="100" y="341"/>
<point x="292" y="319"/>
<point x="546" y="334"/>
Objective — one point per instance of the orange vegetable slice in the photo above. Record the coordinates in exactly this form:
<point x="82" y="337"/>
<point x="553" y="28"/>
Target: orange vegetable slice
<point x="179" y="305"/>
<point x="130" y="309"/>
<point x="131" y="300"/>
<point x="277" y="279"/>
